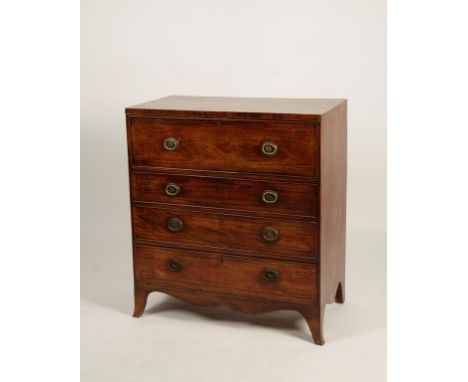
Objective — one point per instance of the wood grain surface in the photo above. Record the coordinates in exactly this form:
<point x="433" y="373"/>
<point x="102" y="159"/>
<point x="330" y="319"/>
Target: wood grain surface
<point x="333" y="205"/>
<point x="227" y="193"/>
<point x="229" y="233"/>
<point x="224" y="273"/>
<point x="302" y="109"/>
<point x="224" y="145"/>
<point x="220" y="256"/>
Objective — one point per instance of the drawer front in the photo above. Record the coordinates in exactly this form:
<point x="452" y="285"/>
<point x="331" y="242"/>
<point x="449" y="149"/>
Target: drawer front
<point x="238" y="194"/>
<point x="262" y="278"/>
<point x="224" y="145"/>
<point x="249" y="235"/>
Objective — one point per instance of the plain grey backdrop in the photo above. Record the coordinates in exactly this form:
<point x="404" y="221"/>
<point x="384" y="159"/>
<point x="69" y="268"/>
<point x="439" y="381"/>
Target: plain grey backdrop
<point x="134" y="51"/>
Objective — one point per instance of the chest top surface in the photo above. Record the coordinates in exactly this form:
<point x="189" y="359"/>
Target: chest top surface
<point x="235" y="107"/>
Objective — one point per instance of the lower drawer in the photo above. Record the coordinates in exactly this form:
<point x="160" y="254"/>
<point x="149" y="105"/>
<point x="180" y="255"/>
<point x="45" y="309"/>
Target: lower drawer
<point x="227" y="233"/>
<point x="260" y="278"/>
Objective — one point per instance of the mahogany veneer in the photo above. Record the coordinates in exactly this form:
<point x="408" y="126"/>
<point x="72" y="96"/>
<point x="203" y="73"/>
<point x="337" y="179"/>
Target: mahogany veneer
<point x="239" y="202"/>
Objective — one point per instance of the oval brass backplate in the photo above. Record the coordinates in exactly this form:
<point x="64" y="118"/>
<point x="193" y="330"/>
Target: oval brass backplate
<point x="270" y="275"/>
<point x="171" y="144"/>
<point x="172" y="189"/>
<point x="175" y="224"/>
<point x="270" y="196"/>
<point x="175" y="265"/>
<point x="270" y="234"/>
<point x="269" y="148"/>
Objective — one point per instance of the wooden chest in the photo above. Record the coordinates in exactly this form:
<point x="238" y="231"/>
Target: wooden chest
<point x="239" y="202"/>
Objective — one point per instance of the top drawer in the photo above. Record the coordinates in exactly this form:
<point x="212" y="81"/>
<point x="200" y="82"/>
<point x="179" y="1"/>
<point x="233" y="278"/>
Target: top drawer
<point x="245" y="146"/>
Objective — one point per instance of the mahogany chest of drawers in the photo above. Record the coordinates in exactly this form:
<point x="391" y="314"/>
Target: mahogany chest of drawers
<point x="239" y="202"/>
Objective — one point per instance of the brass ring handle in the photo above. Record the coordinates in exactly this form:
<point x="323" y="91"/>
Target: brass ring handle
<point x="175" y="265"/>
<point x="270" y="234"/>
<point x="270" y="275"/>
<point x="270" y="196"/>
<point x="175" y="224"/>
<point x="269" y="148"/>
<point x="171" y="144"/>
<point x="172" y="189"/>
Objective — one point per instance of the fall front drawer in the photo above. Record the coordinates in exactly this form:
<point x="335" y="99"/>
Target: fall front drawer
<point x="223" y="145"/>
<point x="269" y="279"/>
<point x="231" y="233"/>
<point x="287" y="198"/>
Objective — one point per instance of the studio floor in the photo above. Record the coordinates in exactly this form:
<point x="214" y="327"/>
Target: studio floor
<point x="174" y="341"/>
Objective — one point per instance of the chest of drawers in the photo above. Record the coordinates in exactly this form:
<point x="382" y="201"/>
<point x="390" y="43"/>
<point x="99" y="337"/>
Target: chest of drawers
<point x="239" y="202"/>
